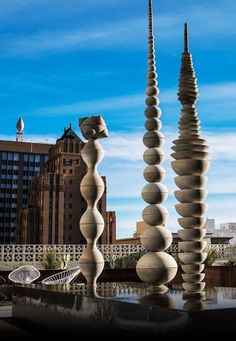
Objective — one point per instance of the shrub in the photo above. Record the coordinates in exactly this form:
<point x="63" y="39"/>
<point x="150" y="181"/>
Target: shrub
<point x="50" y="260"/>
<point x="231" y="261"/>
<point x="211" y="257"/>
<point x="124" y="262"/>
<point x="63" y="261"/>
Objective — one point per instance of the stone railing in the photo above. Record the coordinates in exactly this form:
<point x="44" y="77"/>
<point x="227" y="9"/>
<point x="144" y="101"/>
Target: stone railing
<point x="12" y="256"/>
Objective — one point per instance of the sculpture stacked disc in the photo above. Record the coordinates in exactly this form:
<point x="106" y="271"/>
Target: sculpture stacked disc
<point x="190" y="154"/>
<point x="92" y="188"/>
<point x="156" y="266"/>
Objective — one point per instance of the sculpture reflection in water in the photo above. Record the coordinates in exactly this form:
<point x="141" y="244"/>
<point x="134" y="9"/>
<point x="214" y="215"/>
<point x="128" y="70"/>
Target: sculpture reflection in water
<point x="92" y="189"/>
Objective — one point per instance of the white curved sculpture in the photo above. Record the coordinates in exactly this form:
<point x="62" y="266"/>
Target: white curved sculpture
<point x="92" y="188"/>
<point x="25" y="274"/>
<point x="156" y="267"/>
<point x="63" y="277"/>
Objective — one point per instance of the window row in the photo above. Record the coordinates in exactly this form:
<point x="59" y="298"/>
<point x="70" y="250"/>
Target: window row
<point x="7" y="219"/>
<point x="9" y="190"/>
<point x="8" y="200"/>
<point x="10" y="156"/>
<point x="10" y="162"/>
<point x="8" y="209"/>
<point x="9" y="181"/>
<point x="10" y="171"/>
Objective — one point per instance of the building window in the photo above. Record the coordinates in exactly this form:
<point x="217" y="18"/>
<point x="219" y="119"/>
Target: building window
<point x="70" y="182"/>
<point x="70" y="205"/>
<point x="64" y="171"/>
<point x="70" y="216"/>
<point x="70" y="238"/>
<point x="70" y="195"/>
<point x="70" y="227"/>
<point x="71" y="171"/>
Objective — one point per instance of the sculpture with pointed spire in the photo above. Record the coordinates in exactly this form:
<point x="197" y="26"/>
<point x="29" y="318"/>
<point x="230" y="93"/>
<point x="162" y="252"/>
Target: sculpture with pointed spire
<point x="155" y="267"/>
<point x="190" y="154"/>
<point x="19" y="129"/>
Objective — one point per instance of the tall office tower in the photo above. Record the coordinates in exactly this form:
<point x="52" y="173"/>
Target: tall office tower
<point x="55" y="201"/>
<point x="19" y="163"/>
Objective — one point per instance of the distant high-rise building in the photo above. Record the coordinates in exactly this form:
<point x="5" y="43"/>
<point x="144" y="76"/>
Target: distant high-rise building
<point x="19" y="163"/>
<point x="55" y="202"/>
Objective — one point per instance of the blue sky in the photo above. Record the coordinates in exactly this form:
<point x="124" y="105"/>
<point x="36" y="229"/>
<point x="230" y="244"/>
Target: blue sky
<point x="65" y="59"/>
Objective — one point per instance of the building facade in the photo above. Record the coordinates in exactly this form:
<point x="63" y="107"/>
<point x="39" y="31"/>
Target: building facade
<point x="228" y="227"/>
<point x="20" y="162"/>
<point x="55" y="202"/>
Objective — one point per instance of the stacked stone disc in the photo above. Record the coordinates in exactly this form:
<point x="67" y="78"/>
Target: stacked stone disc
<point x="156" y="266"/>
<point x="190" y="154"/>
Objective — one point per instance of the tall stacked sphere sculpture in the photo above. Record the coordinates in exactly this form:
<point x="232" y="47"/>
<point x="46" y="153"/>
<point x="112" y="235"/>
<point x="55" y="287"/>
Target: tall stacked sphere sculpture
<point x="154" y="267"/>
<point x="92" y="188"/>
<point x="190" y="154"/>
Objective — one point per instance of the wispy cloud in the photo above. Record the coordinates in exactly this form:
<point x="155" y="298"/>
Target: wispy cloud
<point x="126" y="32"/>
<point x="209" y="93"/>
<point x="121" y="102"/>
<point x="115" y="34"/>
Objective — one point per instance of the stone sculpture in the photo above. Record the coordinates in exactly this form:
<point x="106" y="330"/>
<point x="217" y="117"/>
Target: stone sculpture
<point x="92" y="188"/>
<point x="156" y="266"/>
<point x="190" y="154"/>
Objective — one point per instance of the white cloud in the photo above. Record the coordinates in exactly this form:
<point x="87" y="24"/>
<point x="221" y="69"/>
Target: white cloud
<point x="128" y="32"/>
<point x="123" y="167"/>
<point x="114" y="103"/>
<point x="209" y="96"/>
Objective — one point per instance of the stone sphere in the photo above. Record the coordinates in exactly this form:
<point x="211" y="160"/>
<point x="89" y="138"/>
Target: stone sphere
<point x="156" y="268"/>
<point x="155" y="215"/>
<point x="152" y="112"/>
<point x="153" y="123"/>
<point x="154" y="193"/>
<point x="156" y="238"/>
<point x="151" y="82"/>
<point x="153" y="138"/>
<point x="152" y="101"/>
<point x="152" y="91"/>
<point x="151" y="75"/>
<point x="154" y="173"/>
<point x="153" y="156"/>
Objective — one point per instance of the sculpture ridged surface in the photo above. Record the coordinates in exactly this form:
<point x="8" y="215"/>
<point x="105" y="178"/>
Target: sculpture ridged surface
<point x="190" y="154"/>
<point x="92" y="188"/>
<point x="155" y="267"/>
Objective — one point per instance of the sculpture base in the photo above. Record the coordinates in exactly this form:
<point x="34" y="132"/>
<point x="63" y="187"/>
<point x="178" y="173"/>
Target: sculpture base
<point x="123" y="308"/>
